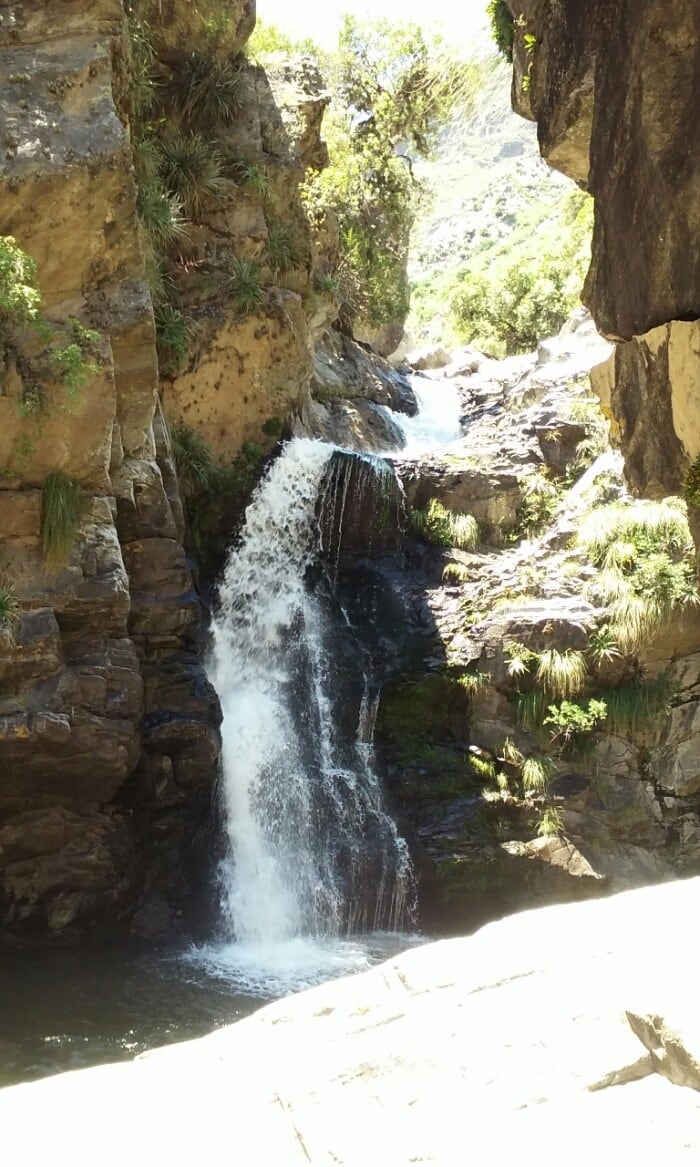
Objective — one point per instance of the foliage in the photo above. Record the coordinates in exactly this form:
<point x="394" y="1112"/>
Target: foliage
<point x="455" y="573"/>
<point x="211" y="491"/>
<point x="508" y="298"/>
<point x="161" y="214"/>
<point x="502" y="27"/>
<point x="206" y="90"/>
<point x="647" y="572"/>
<point x="520" y="658"/>
<point x="691" y="484"/>
<point x="60" y="512"/>
<point x="571" y="722"/>
<point x="442" y="527"/>
<point x="192" y="169"/>
<point x="248" y="174"/>
<point x="472" y="683"/>
<point x="244" y="285"/>
<point x="633" y="708"/>
<point x="10" y="607"/>
<point x="535" y="774"/>
<point x="195" y="466"/>
<point x="284" y="247"/>
<point x="20" y="299"/>
<point x="390" y="86"/>
<point x="174" y="333"/>
<point x="539" y="502"/>
<point x="74" y="362"/>
<point x="267" y="40"/>
<point x="551" y="823"/>
<point x="561" y="674"/>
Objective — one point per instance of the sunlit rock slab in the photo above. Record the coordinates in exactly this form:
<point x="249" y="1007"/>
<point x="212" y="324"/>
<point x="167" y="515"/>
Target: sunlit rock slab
<point x="513" y="1045"/>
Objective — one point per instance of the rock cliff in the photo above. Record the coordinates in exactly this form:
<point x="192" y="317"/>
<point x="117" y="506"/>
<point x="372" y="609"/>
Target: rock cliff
<point x="613" y="88"/>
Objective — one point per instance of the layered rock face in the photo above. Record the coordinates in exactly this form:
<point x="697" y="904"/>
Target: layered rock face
<point x="108" y="727"/>
<point x="614" y="89"/>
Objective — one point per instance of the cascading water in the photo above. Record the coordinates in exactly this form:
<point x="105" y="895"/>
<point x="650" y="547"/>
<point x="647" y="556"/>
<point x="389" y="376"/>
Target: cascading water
<point x="312" y="855"/>
<point x="437" y="421"/>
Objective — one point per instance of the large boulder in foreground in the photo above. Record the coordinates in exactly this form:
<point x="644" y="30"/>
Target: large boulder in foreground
<point x="569" y="1034"/>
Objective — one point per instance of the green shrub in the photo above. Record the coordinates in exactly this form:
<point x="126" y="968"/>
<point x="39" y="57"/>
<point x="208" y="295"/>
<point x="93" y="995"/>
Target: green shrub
<point x="244" y="286"/>
<point x="691" y="484"/>
<point x="551" y="823"/>
<point x="60" y="513"/>
<point x="196" y="470"/>
<point x="502" y="27"/>
<point x="535" y="774"/>
<point x="20" y="300"/>
<point x="571" y="723"/>
<point x="436" y="524"/>
<point x="541" y="497"/>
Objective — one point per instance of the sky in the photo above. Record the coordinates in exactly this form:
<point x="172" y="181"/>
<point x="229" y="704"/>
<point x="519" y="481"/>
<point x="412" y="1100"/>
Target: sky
<point x="320" y="19"/>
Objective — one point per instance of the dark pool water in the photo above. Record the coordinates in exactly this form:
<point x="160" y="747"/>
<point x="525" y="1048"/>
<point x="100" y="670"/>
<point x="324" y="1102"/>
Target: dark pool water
<point x="64" y="1010"/>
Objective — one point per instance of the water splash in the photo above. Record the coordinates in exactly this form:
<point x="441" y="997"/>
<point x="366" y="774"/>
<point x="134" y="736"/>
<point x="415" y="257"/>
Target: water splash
<point x="437" y="422"/>
<point x="311" y="851"/>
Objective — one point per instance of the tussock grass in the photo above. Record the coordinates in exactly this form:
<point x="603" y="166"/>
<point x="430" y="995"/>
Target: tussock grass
<point x="193" y="460"/>
<point x="244" y="285"/>
<point x="192" y="169"/>
<point x="561" y="674"/>
<point x="10" y="607"/>
<point x="60" y="513"/>
<point x="207" y="91"/>
<point x="645" y="525"/>
<point x="637" y="706"/>
<point x="535" y="774"/>
<point x="437" y="525"/>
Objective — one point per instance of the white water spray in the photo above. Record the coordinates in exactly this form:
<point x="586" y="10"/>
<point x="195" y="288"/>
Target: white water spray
<point x="437" y="421"/>
<point x="308" y="836"/>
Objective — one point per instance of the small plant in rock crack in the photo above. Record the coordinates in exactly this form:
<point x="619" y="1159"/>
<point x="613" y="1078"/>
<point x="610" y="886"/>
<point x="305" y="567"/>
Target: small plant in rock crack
<point x="285" y="248"/>
<point x="572" y="723"/>
<point x="205" y="89"/>
<point x="192" y="169"/>
<point x="244" y="285"/>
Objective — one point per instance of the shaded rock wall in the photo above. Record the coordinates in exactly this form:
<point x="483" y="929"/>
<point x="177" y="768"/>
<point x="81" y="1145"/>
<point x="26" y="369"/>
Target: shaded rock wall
<point x="108" y="728"/>
<point x="614" y="88"/>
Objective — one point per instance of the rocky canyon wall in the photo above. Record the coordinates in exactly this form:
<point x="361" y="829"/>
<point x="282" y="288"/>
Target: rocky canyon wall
<point x="614" y="86"/>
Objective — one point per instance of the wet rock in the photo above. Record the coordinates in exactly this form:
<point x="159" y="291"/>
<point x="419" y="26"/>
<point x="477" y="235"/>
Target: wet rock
<point x="434" y="357"/>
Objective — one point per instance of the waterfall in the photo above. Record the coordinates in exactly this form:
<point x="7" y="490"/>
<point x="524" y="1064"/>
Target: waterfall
<point x="312" y="853"/>
<point x="437" y="421"/>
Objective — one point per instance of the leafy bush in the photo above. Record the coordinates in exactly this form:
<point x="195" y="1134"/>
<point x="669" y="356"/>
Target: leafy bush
<point x="514" y="294"/>
<point x="571" y="723"/>
<point x="502" y="27"/>
<point x="20" y="299"/>
<point x="442" y="527"/>
<point x="60" y="512"/>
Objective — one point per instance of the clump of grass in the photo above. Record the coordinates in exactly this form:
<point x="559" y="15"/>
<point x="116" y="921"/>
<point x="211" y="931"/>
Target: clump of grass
<point x="60" y="513"/>
<point x="437" y="525"/>
<point x="540" y="500"/>
<point x="195" y="466"/>
<point x="646" y="556"/>
<point x="174" y="333"/>
<point x="551" y="823"/>
<point x="192" y="169"/>
<point x="244" y="286"/>
<point x="284" y="248"/>
<point x="248" y="174"/>
<point x="535" y="774"/>
<point x="162" y="214"/>
<point x="455" y="573"/>
<point x="10" y="607"/>
<point x="636" y="706"/>
<point x="561" y="674"/>
<point x="206" y="90"/>
<point x="472" y="683"/>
